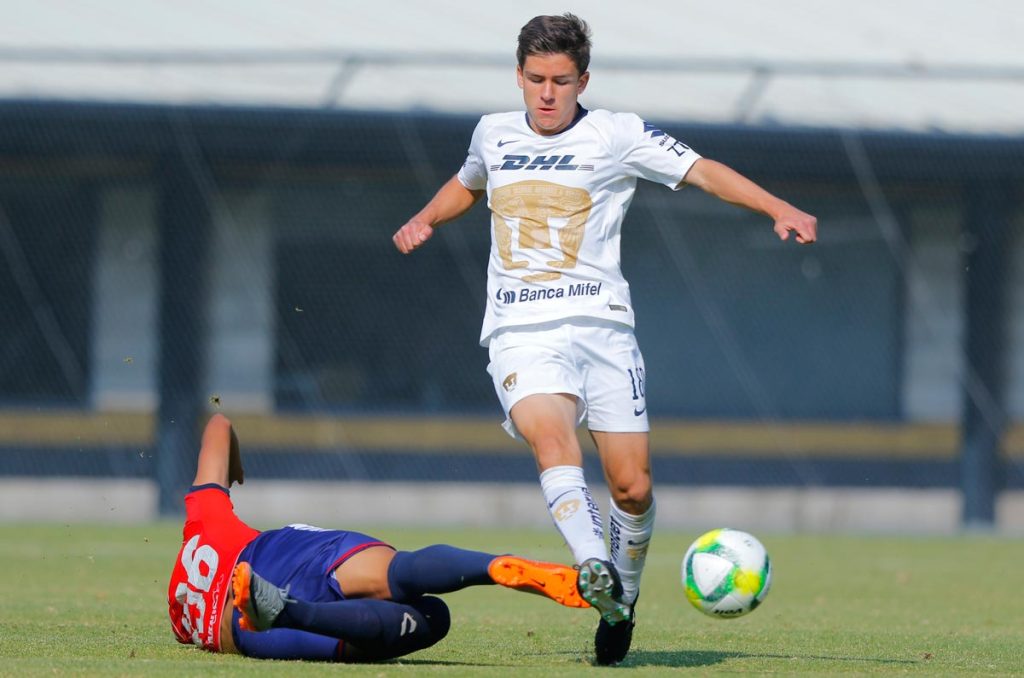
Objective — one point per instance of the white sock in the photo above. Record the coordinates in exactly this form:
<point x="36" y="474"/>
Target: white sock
<point x="576" y="514"/>
<point x="629" y="536"/>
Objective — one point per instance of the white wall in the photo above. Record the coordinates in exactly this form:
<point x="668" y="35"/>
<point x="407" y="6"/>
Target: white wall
<point x="267" y="504"/>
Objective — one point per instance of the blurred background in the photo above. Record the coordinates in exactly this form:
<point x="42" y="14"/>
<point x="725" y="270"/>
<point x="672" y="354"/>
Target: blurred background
<point x="196" y="208"/>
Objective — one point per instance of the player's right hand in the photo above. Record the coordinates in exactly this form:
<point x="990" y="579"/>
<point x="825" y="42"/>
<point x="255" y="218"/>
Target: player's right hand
<point x="412" y="235"/>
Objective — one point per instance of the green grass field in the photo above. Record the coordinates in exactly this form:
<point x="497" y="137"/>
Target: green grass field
<point x="90" y="600"/>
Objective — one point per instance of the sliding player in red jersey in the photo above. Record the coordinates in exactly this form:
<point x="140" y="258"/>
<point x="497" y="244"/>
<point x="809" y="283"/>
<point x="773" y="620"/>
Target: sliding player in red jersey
<point x="302" y="592"/>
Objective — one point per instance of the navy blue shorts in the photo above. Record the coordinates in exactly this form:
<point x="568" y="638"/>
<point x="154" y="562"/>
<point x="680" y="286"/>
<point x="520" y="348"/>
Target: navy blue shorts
<point x="304" y="558"/>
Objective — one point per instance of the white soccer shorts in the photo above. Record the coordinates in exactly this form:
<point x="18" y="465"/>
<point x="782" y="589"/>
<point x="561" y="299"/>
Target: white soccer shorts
<point x="597" y="361"/>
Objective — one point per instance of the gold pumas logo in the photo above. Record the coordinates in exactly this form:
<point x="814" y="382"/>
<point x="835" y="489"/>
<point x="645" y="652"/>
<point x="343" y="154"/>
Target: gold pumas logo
<point x="566" y="509"/>
<point x="637" y="552"/>
<point x="510" y="382"/>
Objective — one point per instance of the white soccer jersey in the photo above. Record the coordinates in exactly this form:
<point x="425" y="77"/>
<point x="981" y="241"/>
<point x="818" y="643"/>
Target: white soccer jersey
<point x="557" y="204"/>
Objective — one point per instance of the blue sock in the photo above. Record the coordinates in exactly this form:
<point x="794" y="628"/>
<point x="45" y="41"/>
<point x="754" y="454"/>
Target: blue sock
<point x="284" y="643"/>
<point x="371" y="629"/>
<point x="289" y="644"/>
<point x="436" y="569"/>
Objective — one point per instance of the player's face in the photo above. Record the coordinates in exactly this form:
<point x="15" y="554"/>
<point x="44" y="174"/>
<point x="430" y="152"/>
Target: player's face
<point x="550" y="85"/>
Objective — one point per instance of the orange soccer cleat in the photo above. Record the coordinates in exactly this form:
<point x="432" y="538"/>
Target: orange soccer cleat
<point x="554" y="581"/>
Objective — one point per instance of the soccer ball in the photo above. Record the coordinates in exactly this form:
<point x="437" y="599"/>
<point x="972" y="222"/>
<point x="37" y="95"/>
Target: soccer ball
<point x="726" y="573"/>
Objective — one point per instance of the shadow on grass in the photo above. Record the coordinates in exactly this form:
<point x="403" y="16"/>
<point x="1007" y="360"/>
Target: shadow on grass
<point x="433" y="662"/>
<point x="678" y="658"/>
<point x="691" y="658"/>
<point x="583" y="659"/>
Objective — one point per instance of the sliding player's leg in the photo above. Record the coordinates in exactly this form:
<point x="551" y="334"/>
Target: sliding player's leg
<point x="442" y="569"/>
<point x="435" y="569"/>
<point x="376" y="629"/>
<point x="406" y="575"/>
<point x="325" y="565"/>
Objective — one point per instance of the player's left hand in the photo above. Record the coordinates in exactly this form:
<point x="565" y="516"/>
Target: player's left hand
<point x="804" y="225"/>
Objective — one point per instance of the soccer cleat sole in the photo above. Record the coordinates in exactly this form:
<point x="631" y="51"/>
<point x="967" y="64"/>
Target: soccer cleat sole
<point x="241" y="585"/>
<point x="557" y="582"/>
<point x="597" y="584"/>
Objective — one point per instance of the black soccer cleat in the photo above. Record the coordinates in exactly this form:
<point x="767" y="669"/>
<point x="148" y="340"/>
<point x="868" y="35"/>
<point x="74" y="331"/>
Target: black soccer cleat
<point x="612" y="641"/>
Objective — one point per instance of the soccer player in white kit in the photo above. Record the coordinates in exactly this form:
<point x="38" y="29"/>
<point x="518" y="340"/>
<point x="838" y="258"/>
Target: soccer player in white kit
<point x="559" y="320"/>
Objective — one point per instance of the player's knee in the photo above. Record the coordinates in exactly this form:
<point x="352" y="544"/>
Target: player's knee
<point x="405" y="627"/>
<point x="633" y="496"/>
<point x="633" y="507"/>
<point x="437" y="616"/>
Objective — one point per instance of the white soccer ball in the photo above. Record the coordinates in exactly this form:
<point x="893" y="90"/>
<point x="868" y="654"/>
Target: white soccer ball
<point x="726" y="573"/>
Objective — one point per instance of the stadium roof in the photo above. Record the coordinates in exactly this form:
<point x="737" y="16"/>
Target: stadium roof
<point x="913" y="65"/>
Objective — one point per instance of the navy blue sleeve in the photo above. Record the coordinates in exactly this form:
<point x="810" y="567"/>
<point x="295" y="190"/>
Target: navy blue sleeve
<point x="209" y="486"/>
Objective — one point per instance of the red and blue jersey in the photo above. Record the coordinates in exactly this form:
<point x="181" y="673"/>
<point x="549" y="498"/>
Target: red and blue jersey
<point x="212" y="538"/>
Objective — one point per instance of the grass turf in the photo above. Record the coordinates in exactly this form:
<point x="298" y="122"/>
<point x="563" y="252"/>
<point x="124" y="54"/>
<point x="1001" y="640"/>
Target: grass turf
<point x="90" y="600"/>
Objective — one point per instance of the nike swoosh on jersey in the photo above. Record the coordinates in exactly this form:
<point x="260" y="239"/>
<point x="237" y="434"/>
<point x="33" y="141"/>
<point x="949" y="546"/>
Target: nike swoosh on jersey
<point x="637" y="412"/>
<point x="502" y="142"/>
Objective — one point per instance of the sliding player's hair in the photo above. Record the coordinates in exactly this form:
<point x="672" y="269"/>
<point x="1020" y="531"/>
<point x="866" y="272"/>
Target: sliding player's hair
<point x="566" y="34"/>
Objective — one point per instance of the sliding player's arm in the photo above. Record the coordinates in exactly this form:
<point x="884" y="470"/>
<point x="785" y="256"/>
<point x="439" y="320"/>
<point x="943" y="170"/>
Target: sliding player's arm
<point x="220" y="459"/>
<point x="451" y="202"/>
<point x="731" y="186"/>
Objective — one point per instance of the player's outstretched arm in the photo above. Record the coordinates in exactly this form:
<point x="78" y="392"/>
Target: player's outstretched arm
<point x="729" y="185"/>
<point x="220" y="459"/>
<point x="451" y="201"/>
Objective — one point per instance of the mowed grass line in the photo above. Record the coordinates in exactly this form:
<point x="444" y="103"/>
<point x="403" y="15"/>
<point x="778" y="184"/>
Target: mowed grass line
<point x="90" y="600"/>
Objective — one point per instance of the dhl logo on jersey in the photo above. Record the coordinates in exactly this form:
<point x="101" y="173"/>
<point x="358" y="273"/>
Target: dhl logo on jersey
<point x="541" y="162"/>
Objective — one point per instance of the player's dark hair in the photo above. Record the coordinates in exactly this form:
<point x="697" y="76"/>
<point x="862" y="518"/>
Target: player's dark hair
<point x="566" y="34"/>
